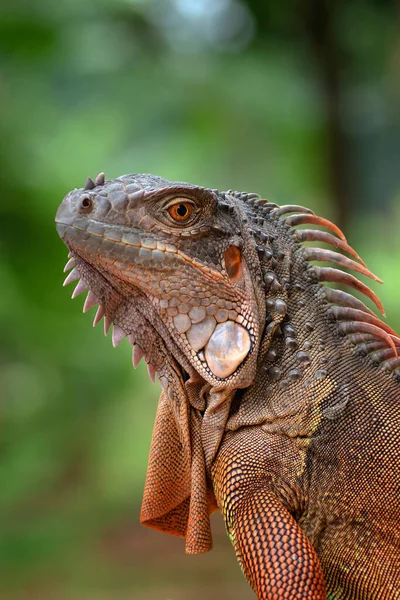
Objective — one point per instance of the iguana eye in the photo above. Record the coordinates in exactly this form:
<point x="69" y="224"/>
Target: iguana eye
<point x="181" y="211"/>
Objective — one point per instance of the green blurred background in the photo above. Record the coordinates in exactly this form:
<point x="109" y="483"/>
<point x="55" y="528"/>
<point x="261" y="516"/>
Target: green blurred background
<point x="299" y="101"/>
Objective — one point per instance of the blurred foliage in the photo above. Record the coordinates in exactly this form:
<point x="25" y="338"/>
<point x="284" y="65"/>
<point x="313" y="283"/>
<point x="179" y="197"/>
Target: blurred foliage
<point x="297" y="101"/>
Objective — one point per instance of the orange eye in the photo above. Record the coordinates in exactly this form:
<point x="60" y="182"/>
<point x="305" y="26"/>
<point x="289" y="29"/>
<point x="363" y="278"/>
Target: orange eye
<point x="181" y="211"/>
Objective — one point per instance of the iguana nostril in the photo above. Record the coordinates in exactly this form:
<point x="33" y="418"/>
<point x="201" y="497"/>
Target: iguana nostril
<point x="86" y="205"/>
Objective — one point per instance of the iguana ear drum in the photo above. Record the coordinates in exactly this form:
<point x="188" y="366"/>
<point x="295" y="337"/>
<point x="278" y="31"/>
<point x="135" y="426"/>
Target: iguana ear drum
<point x="233" y="262"/>
<point x="227" y="348"/>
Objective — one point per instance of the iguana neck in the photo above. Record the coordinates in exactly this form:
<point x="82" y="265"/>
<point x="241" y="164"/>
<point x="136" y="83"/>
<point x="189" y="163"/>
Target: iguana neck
<point x="299" y="364"/>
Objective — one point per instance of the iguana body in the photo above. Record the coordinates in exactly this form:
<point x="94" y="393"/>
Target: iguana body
<point x="281" y="397"/>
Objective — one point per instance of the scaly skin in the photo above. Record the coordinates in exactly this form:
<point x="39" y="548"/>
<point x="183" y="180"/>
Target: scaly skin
<point x="281" y="398"/>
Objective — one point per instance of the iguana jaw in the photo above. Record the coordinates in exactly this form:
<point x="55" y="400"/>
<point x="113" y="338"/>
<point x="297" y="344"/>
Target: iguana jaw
<point x="209" y="313"/>
<point x="133" y="318"/>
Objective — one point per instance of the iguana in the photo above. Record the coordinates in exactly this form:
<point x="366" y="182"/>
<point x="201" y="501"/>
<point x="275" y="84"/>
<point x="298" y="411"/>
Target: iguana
<point x="281" y="395"/>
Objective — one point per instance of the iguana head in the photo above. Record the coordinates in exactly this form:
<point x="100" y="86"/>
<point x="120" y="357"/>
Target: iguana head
<point x="173" y="267"/>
